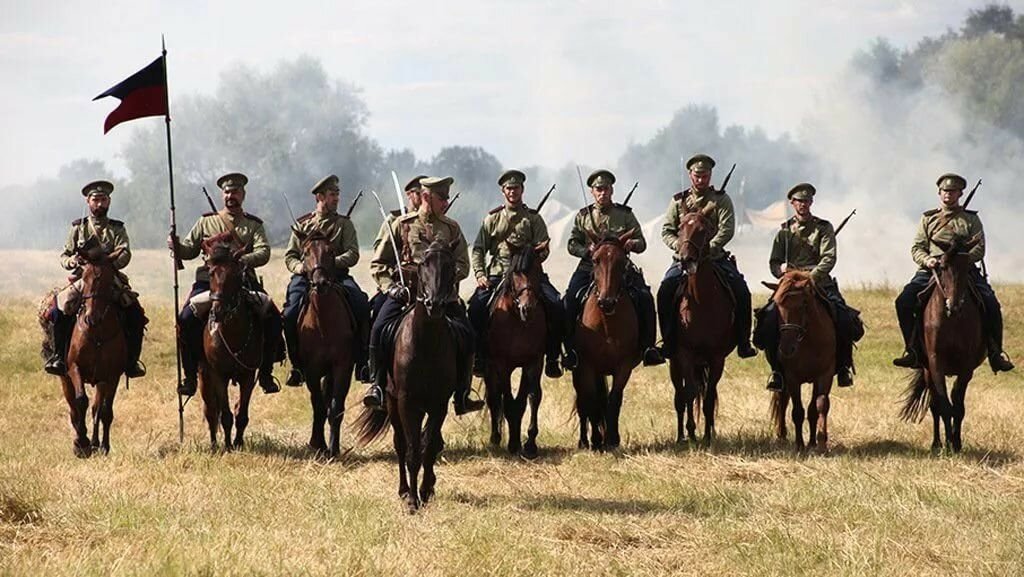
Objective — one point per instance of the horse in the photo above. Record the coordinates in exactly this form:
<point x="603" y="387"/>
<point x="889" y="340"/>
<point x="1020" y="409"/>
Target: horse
<point x="954" y="345"/>
<point x="608" y="341"/>
<point x="97" y="353"/>
<point x="704" y="334"/>
<point x="232" y="344"/>
<point x="515" y="336"/>
<point x="422" y="378"/>
<point x="326" y="337"/>
<point x="807" y="344"/>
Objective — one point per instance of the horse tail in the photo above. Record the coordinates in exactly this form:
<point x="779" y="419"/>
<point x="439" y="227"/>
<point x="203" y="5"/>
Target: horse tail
<point x="778" y="412"/>
<point x="917" y="397"/>
<point x="370" y="424"/>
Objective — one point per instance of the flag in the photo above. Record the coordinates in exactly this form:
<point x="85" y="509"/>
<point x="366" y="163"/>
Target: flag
<point x="142" y="94"/>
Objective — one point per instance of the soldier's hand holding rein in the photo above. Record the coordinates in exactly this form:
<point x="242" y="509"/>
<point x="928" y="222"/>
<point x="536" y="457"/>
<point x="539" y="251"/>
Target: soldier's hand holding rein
<point x="631" y="245"/>
<point x="398" y="293"/>
<point x="931" y="262"/>
<point x="483" y="283"/>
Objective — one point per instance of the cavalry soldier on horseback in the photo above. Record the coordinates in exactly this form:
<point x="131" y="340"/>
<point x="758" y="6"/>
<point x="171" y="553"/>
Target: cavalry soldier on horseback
<point x="601" y="218"/>
<point x="700" y="194"/>
<point x="808" y="243"/>
<point x="506" y="229"/>
<point x="247" y="234"/>
<point x="326" y="220"/>
<point x="949" y="222"/>
<point x="412" y="199"/>
<point x="413" y="234"/>
<point x="112" y="238"/>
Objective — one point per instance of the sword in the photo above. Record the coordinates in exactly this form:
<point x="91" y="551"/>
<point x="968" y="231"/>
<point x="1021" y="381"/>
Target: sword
<point x="398" y="192"/>
<point x="391" y="234"/>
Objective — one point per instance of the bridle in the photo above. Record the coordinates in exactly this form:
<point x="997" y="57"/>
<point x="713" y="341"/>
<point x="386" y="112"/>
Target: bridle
<point x="798" y="327"/>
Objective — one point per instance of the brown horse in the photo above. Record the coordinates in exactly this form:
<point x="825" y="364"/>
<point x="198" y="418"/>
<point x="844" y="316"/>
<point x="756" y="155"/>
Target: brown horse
<point x="807" y="345"/>
<point x="608" y="343"/>
<point x="515" y="336"/>
<point x="97" y="353"/>
<point x="232" y="343"/>
<point x="326" y="338"/>
<point x="422" y="378"/>
<point x="953" y="346"/>
<point x="704" y="331"/>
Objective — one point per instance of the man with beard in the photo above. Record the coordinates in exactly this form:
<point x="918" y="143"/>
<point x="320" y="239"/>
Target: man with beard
<point x="412" y="204"/>
<point x="111" y="237"/>
<point x="722" y="216"/>
<point x="345" y="245"/>
<point x="247" y="233"/>
<point x="601" y="218"/>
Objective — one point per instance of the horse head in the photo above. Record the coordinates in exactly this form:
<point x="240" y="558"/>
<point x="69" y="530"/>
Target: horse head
<point x="608" y="253"/>
<point x="225" y="270"/>
<point x="523" y="278"/>
<point x="954" y="272"/>
<point x="97" y="279"/>
<point x="318" y="257"/>
<point x="437" y="285"/>
<point x="792" y="296"/>
<point x="694" y="238"/>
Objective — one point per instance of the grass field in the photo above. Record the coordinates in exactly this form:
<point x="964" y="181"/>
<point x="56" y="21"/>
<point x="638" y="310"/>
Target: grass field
<point x="878" y="504"/>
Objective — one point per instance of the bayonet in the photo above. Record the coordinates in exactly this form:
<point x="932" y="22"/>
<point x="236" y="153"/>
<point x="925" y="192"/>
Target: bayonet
<point x="545" y="199"/>
<point x="452" y="201"/>
<point x="355" y="201"/>
<point x="725" y="182"/>
<point x="845" y="220"/>
<point x="630" y="195"/>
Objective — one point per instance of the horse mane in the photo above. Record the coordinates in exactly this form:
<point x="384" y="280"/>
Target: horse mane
<point x="218" y="248"/>
<point x="793" y="279"/>
<point x="522" y="261"/>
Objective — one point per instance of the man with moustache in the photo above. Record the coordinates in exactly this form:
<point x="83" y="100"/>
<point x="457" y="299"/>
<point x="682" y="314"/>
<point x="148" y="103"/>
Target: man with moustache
<point x="808" y="243"/>
<point x="111" y="237"/>
<point x="948" y="223"/>
<point x="412" y="204"/>
<point x="248" y="234"/>
<point x="504" y="231"/>
<point x="701" y="194"/>
<point x="345" y="244"/>
<point x="413" y="233"/>
<point x="601" y="218"/>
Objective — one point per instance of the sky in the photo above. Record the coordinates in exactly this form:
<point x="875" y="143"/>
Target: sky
<point x="533" y="82"/>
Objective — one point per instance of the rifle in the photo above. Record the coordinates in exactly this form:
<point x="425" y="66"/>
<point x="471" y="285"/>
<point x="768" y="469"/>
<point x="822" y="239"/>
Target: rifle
<point x="725" y="182"/>
<point x="630" y="195"/>
<point x="355" y="201"/>
<point x="451" y="202"/>
<point x="845" y="220"/>
<point x="545" y="199"/>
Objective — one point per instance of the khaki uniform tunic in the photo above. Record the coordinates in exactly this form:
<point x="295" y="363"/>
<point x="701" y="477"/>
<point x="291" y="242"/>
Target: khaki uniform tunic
<point x="723" y="215"/>
<point x="962" y="225"/>
<point x="343" y="239"/>
<point x="411" y="233"/>
<point x="808" y="246"/>
<point x="505" y="230"/>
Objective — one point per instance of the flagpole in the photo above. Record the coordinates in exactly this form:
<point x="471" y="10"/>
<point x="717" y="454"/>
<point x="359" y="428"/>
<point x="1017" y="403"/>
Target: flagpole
<point x="175" y="261"/>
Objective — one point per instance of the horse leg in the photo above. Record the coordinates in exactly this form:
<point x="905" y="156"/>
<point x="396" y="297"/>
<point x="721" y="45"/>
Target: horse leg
<point x="712" y="374"/>
<point x="821" y="404"/>
<point x="691" y="393"/>
<point x="97" y="401"/>
<point x="943" y="405"/>
<point x="77" y="408"/>
<point x="414" y="459"/>
<point x="812" y="418"/>
<point x="581" y="406"/>
<point x="432" y="446"/>
<point x="319" y="405"/>
<point x="494" y="394"/>
<point x="341" y="380"/>
<point x="242" y="412"/>
<point x="678" y="399"/>
<point x="612" y="438"/>
<point x="535" y="395"/>
<point x="598" y="412"/>
<point x="208" y="386"/>
<point x="959" y="409"/>
<point x="107" y="414"/>
<point x="401" y="449"/>
<point x="798" y="415"/>
<point x="515" y="406"/>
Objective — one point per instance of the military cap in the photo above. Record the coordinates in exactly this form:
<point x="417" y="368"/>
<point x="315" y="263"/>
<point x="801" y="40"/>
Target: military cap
<point x="232" y="180"/>
<point x="802" y="191"/>
<point x="437" y="185"/>
<point x="950" y="181"/>
<point x="326" y="183"/>
<point x="98" y="187"/>
<point x="511" y="177"/>
<point x="600" y="177"/>
<point x="700" y="163"/>
<point x="414" y="183"/>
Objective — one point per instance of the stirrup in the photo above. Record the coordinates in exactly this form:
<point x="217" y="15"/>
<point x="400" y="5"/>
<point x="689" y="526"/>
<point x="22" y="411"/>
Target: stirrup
<point x="55" y="366"/>
<point x="138" y="370"/>
<point x="374" y="398"/>
<point x="908" y="360"/>
<point x="1000" y="362"/>
<point x="653" y="357"/>
<point x="187" y="387"/>
<point x="775" y="382"/>
<point x="464" y="404"/>
<point x="844" y="377"/>
<point x="269" y="385"/>
<point x="295" y="378"/>
<point x="552" y="368"/>
<point x="570" y="360"/>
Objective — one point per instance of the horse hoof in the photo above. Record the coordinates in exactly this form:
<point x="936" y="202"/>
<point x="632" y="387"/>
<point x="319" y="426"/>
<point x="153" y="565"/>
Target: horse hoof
<point x="530" y="451"/>
<point x="426" y="495"/>
<point x="495" y="440"/>
<point x="582" y="445"/>
<point x="81" y="450"/>
<point x="412" y="504"/>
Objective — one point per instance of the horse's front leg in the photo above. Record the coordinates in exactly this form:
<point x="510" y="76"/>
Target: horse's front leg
<point x="581" y="406"/>
<point x="318" y="402"/>
<point x="515" y="408"/>
<point x="401" y="449"/>
<point x="107" y="413"/>
<point x="494" y="393"/>
<point x="341" y="380"/>
<point x="821" y="404"/>
<point x="612" y="438"/>
<point x="678" y="398"/>
<point x="77" y="409"/>
<point x="942" y="403"/>
<point x="713" y="375"/>
<point x="414" y="459"/>
<point x="959" y="408"/>
<point x="534" y="397"/>
<point x="430" y="451"/>
<point x="797" y="414"/>
<point x="242" y="411"/>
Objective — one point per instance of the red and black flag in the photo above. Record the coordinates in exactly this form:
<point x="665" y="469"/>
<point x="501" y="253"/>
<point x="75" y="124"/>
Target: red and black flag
<point x="142" y="94"/>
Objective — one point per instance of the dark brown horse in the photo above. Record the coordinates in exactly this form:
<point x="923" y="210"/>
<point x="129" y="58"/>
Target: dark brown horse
<point x="326" y="338"/>
<point x="807" y="345"/>
<point x="608" y="343"/>
<point x="422" y="378"/>
<point x="704" y="332"/>
<point x="232" y="343"/>
<point x="515" y="335"/>
<point x="97" y="353"/>
<point x="953" y="346"/>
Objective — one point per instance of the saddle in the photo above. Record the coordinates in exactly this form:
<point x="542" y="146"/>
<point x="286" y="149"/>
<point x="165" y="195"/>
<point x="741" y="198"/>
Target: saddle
<point x="723" y="282"/>
<point x="459" y="328"/>
<point x="304" y="303"/>
<point x="924" y="294"/>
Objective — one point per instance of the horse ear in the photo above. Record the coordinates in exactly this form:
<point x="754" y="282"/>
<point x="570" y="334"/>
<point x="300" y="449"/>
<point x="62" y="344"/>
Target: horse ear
<point x="627" y="235"/>
<point x="773" y="286"/>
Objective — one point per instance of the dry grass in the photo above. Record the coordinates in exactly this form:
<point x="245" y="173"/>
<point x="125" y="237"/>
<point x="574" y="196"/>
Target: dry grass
<point x="880" y="504"/>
